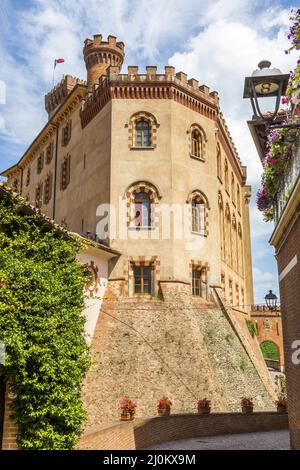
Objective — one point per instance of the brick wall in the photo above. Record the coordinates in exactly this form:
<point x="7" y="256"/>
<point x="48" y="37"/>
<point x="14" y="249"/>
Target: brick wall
<point x="290" y="307"/>
<point x="143" y="433"/>
<point x="9" y="426"/>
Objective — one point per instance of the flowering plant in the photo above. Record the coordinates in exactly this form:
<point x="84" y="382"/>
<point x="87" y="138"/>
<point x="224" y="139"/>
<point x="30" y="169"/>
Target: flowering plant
<point x="204" y="403"/>
<point x="279" y="149"/>
<point x="164" y="402"/>
<point x="247" y="403"/>
<point x="127" y="405"/>
<point x="281" y="402"/>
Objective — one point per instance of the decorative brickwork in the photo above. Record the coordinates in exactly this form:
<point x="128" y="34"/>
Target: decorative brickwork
<point x="142" y="187"/>
<point x="148" y="117"/>
<point x="9" y="426"/>
<point x="202" y="144"/>
<point x="151" y="261"/>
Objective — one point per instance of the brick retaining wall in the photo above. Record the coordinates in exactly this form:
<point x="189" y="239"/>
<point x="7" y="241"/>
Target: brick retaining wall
<point x="143" y="433"/>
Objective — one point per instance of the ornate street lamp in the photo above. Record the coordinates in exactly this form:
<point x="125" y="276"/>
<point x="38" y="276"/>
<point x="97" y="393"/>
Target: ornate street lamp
<point x="266" y="83"/>
<point x="271" y="300"/>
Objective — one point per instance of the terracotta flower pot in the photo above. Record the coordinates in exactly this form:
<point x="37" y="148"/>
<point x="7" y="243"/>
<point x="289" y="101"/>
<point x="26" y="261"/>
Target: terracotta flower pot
<point x="127" y="416"/>
<point x="204" y="410"/>
<point x="247" y="409"/>
<point x="163" y="411"/>
<point x="281" y="409"/>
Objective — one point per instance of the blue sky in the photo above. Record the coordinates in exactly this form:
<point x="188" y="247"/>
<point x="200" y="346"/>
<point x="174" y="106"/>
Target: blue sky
<point x="216" y="42"/>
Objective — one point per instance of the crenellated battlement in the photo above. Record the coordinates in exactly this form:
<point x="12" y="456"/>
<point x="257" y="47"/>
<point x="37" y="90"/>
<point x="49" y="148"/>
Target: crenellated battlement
<point x="61" y="90"/>
<point x="99" y="55"/>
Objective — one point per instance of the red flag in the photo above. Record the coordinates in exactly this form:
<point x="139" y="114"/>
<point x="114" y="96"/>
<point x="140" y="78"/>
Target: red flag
<point x="58" y="61"/>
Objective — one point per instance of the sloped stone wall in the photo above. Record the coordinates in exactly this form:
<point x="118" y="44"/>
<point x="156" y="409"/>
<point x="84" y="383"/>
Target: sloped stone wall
<point x="146" y="348"/>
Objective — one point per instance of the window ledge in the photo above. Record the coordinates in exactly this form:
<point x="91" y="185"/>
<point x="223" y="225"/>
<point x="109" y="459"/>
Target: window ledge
<point x="137" y="229"/>
<point x="201" y="159"/>
<point x="135" y="147"/>
<point x="199" y="233"/>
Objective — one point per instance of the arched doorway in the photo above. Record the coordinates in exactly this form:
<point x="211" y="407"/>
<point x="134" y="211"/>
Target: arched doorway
<point x="271" y="354"/>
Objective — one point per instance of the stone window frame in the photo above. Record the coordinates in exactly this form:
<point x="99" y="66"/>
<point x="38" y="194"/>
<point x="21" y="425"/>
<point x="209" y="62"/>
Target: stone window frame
<point x="192" y="128"/>
<point x="28" y="174"/>
<point x="153" y="126"/>
<point x="199" y="266"/>
<point x="66" y="133"/>
<point x="49" y="152"/>
<point x="65" y="172"/>
<point x="39" y="196"/>
<point x="219" y="163"/>
<point x="233" y="195"/>
<point x="226" y="175"/>
<point x="48" y="188"/>
<point x="197" y="193"/>
<point x="40" y="163"/>
<point x="128" y="272"/>
<point x="131" y="191"/>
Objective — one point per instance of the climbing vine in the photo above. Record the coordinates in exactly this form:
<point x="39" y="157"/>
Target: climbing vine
<point x="41" y="300"/>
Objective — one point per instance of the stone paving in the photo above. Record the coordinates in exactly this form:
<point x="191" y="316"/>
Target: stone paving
<point x="271" y="440"/>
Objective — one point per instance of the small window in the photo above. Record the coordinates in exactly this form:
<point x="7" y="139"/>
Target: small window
<point x="143" y="133"/>
<point x="142" y="280"/>
<point x="238" y="198"/>
<point x="28" y="177"/>
<point x="49" y="153"/>
<point x="226" y="176"/>
<point x="39" y="196"/>
<point x="65" y="172"/>
<point x="219" y="163"/>
<point x="196" y="144"/>
<point x="232" y="188"/>
<point x="142" y="210"/>
<point x="199" y="283"/>
<point x="48" y="189"/>
<point x="66" y="133"/>
<point x="198" y="216"/>
<point x="40" y="163"/>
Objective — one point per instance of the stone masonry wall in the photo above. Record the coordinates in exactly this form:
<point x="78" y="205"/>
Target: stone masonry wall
<point x="146" y="348"/>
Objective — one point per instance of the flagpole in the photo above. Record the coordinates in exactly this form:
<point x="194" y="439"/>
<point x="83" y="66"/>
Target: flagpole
<point x="53" y="73"/>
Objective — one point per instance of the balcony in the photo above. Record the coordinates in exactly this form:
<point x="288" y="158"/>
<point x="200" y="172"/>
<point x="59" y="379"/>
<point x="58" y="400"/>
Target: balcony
<point x="289" y="179"/>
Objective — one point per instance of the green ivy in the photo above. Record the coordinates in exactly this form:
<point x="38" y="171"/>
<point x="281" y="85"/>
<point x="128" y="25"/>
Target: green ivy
<point x="41" y="300"/>
<point x="252" y="328"/>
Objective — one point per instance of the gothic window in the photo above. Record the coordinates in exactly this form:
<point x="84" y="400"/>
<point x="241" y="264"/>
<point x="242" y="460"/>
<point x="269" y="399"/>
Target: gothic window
<point x="65" y="172"/>
<point x="28" y="177"/>
<point x="228" y="236"/>
<point x="199" y="282"/>
<point x="219" y="163"/>
<point x="232" y="188"/>
<point x="40" y="162"/>
<point x="48" y="189"/>
<point x="142" y="198"/>
<point x="198" y="215"/>
<point x="237" y="295"/>
<point x="49" y="153"/>
<point x="230" y="292"/>
<point x="243" y="298"/>
<point x="240" y="251"/>
<point x="143" y="133"/>
<point x="142" y="210"/>
<point x="196" y="144"/>
<point x="222" y="227"/>
<point x="66" y="133"/>
<point x="142" y="279"/>
<point x="226" y="175"/>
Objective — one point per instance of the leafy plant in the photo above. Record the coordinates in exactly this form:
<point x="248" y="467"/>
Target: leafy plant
<point x="204" y="403"/>
<point x="41" y="300"/>
<point x="251" y="327"/>
<point x="127" y="406"/>
<point x="164" y="402"/>
<point x="247" y="403"/>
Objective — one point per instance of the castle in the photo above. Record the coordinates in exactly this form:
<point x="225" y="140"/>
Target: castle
<point x="126" y="159"/>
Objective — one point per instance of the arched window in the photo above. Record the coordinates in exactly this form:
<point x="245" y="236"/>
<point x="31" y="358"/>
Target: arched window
<point x="219" y="163"/>
<point x="232" y="188"/>
<point x="198" y="215"/>
<point x="196" y="144"/>
<point x="240" y="251"/>
<point x="238" y="197"/>
<point x="228" y="236"/>
<point x="226" y="175"/>
<point x="142" y="205"/>
<point x="199" y="282"/>
<point x="222" y="228"/>
<point x="143" y="138"/>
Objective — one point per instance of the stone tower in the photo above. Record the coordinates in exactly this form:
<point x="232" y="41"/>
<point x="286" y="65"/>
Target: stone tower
<point x="100" y="55"/>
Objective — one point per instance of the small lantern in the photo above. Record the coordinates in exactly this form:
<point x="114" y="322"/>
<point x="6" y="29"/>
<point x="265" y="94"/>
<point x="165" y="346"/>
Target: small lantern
<point x="271" y="300"/>
<point x="265" y="83"/>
